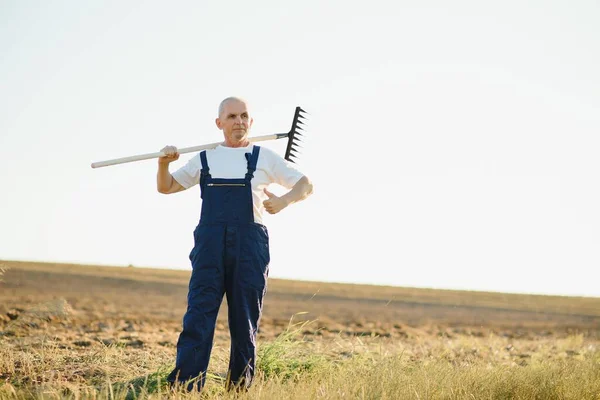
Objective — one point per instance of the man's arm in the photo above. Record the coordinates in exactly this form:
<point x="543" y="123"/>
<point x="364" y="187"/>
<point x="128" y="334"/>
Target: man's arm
<point x="165" y="183"/>
<point x="300" y="191"/>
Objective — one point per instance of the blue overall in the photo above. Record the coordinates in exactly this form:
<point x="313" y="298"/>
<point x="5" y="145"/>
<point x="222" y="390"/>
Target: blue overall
<point x="230" y="256"/>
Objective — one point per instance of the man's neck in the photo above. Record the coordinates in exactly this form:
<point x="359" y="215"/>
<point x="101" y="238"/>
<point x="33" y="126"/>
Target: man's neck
<point x="241" y="143"/>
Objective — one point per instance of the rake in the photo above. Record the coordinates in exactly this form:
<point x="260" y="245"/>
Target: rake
<point x="291" y="152"/>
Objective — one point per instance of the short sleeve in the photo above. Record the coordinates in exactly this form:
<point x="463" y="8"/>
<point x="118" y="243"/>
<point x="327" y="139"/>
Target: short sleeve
<point x="189" y="175"/>
<point x="282" y="171"/>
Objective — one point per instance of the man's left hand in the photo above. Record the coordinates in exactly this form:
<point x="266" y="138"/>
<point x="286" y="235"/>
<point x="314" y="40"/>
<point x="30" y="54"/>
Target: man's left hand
<point x="274" y="204"/>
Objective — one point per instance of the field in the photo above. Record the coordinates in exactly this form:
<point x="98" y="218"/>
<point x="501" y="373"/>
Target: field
<point x="71" y="331"/>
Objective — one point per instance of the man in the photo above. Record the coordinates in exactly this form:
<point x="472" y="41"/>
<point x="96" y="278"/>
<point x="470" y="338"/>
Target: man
<point x="231" y="245"/>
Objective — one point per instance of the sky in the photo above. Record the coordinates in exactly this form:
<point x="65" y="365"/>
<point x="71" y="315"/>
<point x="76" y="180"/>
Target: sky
<point x="451" y="145"/>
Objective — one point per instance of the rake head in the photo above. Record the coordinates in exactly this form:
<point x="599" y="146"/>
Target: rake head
<point x="294" y="135"/>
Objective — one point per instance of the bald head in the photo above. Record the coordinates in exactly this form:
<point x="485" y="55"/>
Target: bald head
<point x="235" y="121"/>
<point x="230" y="100"/>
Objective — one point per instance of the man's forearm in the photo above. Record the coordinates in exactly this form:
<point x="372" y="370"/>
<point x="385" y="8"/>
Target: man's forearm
<point x="164" y="179"/>
<point x="301" y="190"/>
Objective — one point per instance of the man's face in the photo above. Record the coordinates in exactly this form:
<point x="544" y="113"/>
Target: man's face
<point x="235" y="121"/>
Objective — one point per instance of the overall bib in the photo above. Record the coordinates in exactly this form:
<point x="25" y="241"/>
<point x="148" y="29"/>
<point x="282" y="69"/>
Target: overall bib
<point x="230" y="256"/>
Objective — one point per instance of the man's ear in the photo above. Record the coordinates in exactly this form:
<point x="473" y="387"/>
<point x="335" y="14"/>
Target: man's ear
<point x="251" y="122"/>
<point x="218" y="122"/>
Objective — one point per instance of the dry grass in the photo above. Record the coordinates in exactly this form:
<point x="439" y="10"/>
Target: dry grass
<point x="71" y="331"/>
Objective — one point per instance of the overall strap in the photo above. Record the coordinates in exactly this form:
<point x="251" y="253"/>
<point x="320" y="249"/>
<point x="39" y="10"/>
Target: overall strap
<point x="252" y="160"/>
<point x="205" y="171"/>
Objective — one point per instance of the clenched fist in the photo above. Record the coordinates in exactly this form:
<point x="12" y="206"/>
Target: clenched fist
<point x="171" y="155"/>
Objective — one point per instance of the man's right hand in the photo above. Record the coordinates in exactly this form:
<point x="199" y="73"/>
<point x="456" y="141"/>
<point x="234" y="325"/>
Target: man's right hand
<point x="171" y="155"/>
<point x="165" y="183"/>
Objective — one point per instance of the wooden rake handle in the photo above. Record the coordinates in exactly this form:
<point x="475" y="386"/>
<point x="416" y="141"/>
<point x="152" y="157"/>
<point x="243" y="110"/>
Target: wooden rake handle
<point x="184" y="150"/>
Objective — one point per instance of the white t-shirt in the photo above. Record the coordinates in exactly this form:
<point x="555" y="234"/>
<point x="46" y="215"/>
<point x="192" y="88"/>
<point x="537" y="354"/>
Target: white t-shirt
<point x="230" y="163"/>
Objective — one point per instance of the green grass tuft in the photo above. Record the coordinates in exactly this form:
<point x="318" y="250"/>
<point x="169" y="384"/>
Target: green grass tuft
<point x="285" y="358"/>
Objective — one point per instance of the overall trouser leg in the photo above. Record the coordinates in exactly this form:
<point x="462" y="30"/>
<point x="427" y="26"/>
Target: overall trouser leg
<point x="245" y="286"/>
<point x="206" y="289"/>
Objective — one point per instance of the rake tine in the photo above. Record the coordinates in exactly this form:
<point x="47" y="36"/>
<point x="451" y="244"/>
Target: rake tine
<point x="296" y="131"/>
